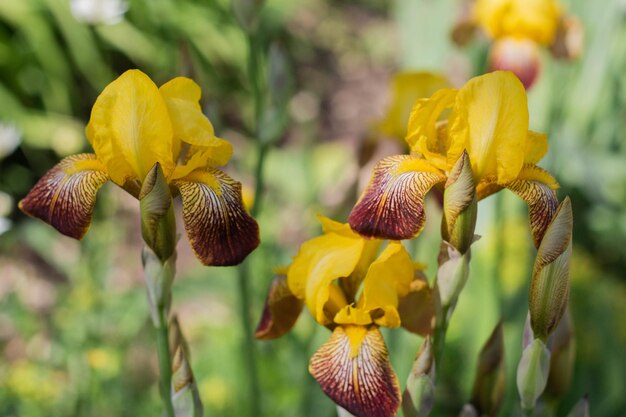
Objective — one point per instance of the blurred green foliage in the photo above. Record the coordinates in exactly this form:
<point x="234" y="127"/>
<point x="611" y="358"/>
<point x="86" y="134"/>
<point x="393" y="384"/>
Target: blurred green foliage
<point x="75" y="338"/>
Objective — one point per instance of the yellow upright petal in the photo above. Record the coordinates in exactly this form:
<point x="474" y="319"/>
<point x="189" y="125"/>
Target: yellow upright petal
<point x="490" y="121"/>
<point x="407" y="87"/>
<point x="130" y="128"/>
<point x="388" y="278"/>
<point x="536" y="147"/>
<point x="320" y="261"/>
<point x="191" y="126"/>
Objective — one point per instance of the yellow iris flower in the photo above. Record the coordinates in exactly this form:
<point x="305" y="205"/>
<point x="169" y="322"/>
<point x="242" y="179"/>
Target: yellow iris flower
<point x="488" y="119"/>
<point x="351" y="289"/>
<point x="134" y="125"/>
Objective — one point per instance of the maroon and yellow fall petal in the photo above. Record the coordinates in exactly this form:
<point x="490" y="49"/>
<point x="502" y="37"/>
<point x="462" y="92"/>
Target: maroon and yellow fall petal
<point x="417" y="309"/>
<point x="219" y="228"/>
<point x="537" y="188"/>
<point x="392" y="205"/>
<point x="353" y="369"/>
<point x="281" y="310"/>
<point x="64" y="197"/>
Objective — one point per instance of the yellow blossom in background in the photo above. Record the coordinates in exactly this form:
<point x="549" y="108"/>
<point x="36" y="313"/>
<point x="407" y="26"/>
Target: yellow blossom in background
<point x="351" y="288"/>
<point x="488" y="121"/>
<point x="135" y="126"/>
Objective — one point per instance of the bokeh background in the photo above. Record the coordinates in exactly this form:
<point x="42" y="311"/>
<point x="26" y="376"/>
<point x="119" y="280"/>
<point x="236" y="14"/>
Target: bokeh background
<point x="75" y="336"/>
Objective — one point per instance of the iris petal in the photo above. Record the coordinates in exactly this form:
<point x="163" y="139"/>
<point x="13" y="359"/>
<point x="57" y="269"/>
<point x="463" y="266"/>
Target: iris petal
<point x="281" y="310"/>
<point x="537" y="188"/>
<point x="65" y="197"/>
<point x="353" y="369"/>
<point x="219" y="228"/>
<point x="392" y="205"/>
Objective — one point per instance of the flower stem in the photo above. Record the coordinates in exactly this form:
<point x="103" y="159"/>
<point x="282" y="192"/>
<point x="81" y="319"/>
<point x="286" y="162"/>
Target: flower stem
<point x="439" y="336"/>
<point x="165" y="362"/>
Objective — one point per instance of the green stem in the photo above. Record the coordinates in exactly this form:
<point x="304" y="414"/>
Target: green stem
<point x="165" y="361"/>
<point x="439" y="336"/>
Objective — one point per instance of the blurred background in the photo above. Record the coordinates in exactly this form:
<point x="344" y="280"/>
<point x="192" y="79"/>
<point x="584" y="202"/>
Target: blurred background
<point x="75" y="335"/>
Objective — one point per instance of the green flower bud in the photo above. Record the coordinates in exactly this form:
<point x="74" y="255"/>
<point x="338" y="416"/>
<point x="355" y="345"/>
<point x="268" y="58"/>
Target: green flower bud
<point x="419" y="395"/>
<point x="158" y="223"/>
<point x="159" y="276"/>
<point x="452" y="274"/>
<point x="562" y="346"/>
<point x="532" y="373"/>
<point x="549" y="289"/>
<point x="490" y="381"/>
<point x="185" y="395"/>
<point x="459" y="206"/>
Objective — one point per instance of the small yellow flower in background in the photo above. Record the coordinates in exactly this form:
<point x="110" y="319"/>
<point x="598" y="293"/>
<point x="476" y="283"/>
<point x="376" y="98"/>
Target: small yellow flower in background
<point x="488" y="120"/>
<point x="406" y="87"/>
<point x="351" y="288"/>
<point x="135" y="125"/>
<point x="518" y="29"/>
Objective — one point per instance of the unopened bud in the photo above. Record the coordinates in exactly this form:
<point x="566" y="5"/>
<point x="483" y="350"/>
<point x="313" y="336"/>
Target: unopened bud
<point x="159" y="276"/>
<point x="452" y="274"/>
<point x="247" y="13"/>
<point x="419" y="395"/>
<point x="562" y="347"/>
<point x="490" y="381"/>
<point x="459" y="206"/>
<point x="520" y="56"/>
<point x="185" y="395"/>
<point x="532" y="373"/>
<point x="549" y="289"/>
<point x="158" y="224"/>
<point x="569" y="40"/>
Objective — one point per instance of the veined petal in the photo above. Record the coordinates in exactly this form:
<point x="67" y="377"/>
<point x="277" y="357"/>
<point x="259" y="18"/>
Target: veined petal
<point x="423" y="134"/>
<point x="388" y="278"/>
<point x="392" y="205"/>
<point x="64" y="197"/>
<point x="319" y="262"/>
<point x="219" y="228"/>
<point x="353" y="369"/>
<point x="490" y="121"/>
<point x="130" y="128"/>
<point x="537" y="188"/>
<point x="191" y="126"/>
<point x="418" y="307"/>
<point x="281" y="310"/>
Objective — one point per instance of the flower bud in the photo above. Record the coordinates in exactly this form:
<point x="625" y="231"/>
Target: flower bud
<point x="159" y="276"/>
<point x="549" y="289"/>
<point x="569" y="40"/>
<point x="490" y="381"/>
<point x="185" y="395"/>
<point x="532" y="373"/>
<point x="520" y="56"/>
<point x="562" y="347"/>
<point x="452" y="274"/>
<point x="419" y="396"/>
<point x="459" y="206"/>
<point x="158" y="224"/>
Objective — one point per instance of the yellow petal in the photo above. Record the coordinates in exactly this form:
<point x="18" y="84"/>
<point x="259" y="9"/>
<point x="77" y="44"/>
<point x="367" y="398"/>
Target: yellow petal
<point x="532" y="19"/>
<point x="392" y="205"/>
<point x="352" y="315"/>
<point x="130" y="128"/>
<point x="64" y="197"/>
<point x="423" y="134"/>
<point x="319" y="262"/>
<point x="353" y="369"/>
<point x="191" y="126"/>
<point x="388" y="278"/>
<point x="536" y="147"/>
<point x="536" y="187"/>
<point x="281" y="310"/>
<point x="219" y="228"/>
<point x="406" y="87"/>
<point x="490" y="121"/>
